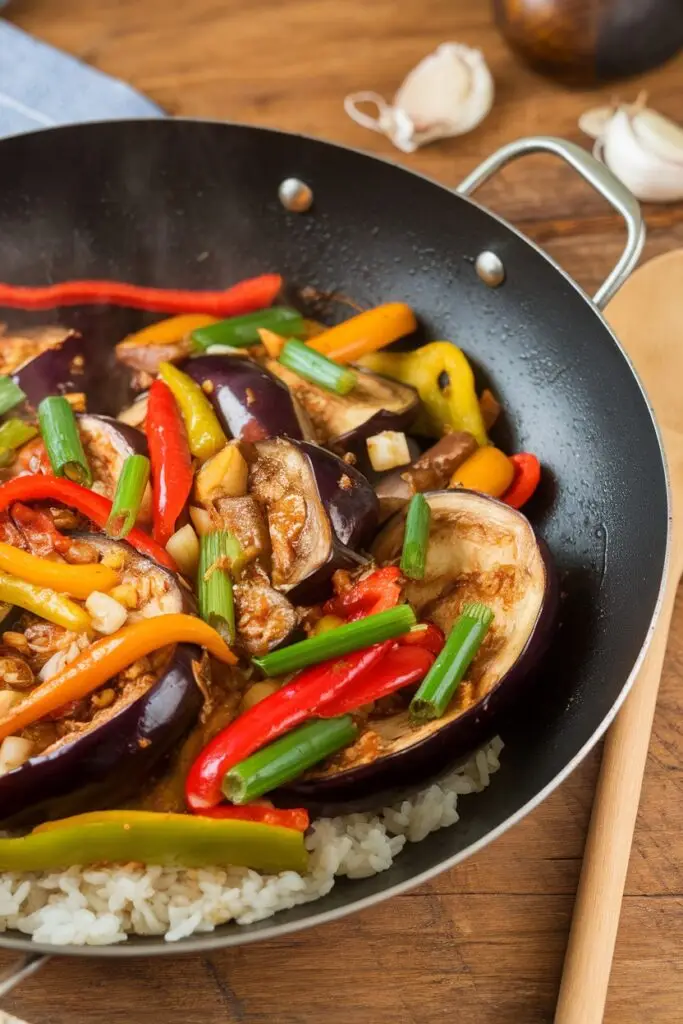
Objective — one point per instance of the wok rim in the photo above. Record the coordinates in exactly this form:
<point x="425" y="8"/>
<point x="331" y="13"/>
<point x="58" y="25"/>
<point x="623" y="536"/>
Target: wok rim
<point x="139" y="946"/>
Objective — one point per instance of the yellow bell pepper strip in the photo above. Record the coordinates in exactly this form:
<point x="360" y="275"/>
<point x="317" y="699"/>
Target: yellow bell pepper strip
<point x="365" y="333"/>
<point x="204" y="433"/>
<point x="170" y="330"/>
<point x="76" y="580"/>
<point x="489" y="471"/>
<point x="180" y="840"/>
<point x="453" y="406"/>
<point x="43" y="602"/>
<point x="108" y="656"/>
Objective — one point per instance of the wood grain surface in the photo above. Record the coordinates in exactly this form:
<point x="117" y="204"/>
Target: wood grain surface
<point x="484" y="942"/>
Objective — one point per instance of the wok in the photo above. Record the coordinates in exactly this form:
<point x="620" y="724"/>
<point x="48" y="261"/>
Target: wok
<point x="196" y="204"/>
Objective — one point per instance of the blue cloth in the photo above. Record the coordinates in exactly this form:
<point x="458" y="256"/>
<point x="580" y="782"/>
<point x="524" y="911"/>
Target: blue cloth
<point x="41" y="87"/>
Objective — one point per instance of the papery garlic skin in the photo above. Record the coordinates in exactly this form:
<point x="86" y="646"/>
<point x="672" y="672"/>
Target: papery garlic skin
<point x="447" y="94"/>
<point x="643" y="148"/>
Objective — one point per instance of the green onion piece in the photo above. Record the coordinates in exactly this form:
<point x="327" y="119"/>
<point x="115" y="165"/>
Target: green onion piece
<point x="352" y="636"/>
<point x="218" y="552"/>
<point x="416" y="538"/>
<point x="242" y="331"/>
<point x="128" y="498"/>
<point x="317" y="368"/>
<point x="62" y="440"/>
<point x="288" y="757"/>
<point x="10" y="394"/>
<point x="464" y="640"/>
<point x="13" y="434"/>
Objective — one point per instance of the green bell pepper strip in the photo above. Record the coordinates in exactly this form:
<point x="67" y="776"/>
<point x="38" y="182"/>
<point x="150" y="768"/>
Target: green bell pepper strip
<point x="181" y="840"/>
<point x="451" y="405"/>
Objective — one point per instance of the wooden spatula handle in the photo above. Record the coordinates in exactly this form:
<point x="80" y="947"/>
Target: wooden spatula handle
<point x="605" y="862"/>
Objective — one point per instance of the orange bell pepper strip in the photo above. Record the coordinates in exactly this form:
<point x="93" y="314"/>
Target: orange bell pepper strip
<point x="488" y="471"/>
<point x="170" y="330"/>
<point x="108" y="656"/>
<point x="365" y="333"/>
<point x="76" y="580"/>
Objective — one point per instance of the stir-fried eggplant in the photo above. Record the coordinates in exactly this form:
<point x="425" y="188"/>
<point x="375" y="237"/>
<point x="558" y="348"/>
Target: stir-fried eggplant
<point x="101" y="751"/>
<point x="249" y="401"/>
<point x="431" y="471"/>
<point x="479" y="550"/>
<point x="50" y="360"/>
<point x="107" y="444"/>
<point x="345" y="422"/>
<point x="321" y="514"/>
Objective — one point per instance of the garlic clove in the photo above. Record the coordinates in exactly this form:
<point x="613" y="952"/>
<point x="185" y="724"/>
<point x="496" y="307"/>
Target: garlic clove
<point x="448" y="93"/>
<point x="660" y="135"/>
<point x="594" y="122"/>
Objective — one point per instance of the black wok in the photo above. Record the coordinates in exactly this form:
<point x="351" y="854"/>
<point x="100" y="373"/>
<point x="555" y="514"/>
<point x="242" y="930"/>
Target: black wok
<point x="196" y="205"/>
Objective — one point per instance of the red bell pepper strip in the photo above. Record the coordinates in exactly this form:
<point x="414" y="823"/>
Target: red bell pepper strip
<point x="526" y="479"/>
<point x="398" y="668"/>
<point x="377" y="592"/>
<point x="426" y="635"/>
<point x="94" y="506"/>
<point x="244" y="297"/>
<point x="291" y="705"/>
<point x="171" y="461"/>
<point x="295" y="817"/>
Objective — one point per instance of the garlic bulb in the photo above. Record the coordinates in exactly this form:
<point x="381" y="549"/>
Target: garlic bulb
<point x="448" y="93"/>
<point x="642" y="147"/>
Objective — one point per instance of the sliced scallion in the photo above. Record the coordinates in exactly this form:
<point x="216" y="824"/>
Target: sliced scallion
<point x="10" y="394"/>
<point x="334" y="643"/>
<point x="130" y="490"/>
<point x="242" y="331"/>
<point x="416" y="538"/>
<point x="218" y="552"/>
<point x="288" y="757"/>
<point x="13" y="434"/>
<point x="317" y="368"/>
<point x="62" y="440"/>
<point x="464" y="640"/>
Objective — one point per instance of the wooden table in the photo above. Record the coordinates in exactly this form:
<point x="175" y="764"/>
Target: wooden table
<point x="484" y="942"/>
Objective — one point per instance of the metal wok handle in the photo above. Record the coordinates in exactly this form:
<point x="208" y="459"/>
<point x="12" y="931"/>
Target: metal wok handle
<point x="597" y="175"/>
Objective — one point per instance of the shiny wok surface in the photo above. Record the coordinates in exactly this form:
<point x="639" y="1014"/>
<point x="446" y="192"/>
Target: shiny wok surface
<point x="195" y="205"/>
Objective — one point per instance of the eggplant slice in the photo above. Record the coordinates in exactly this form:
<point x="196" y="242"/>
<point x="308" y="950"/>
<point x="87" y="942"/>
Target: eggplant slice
<point x="107" y="444"/>
<point x="479" y="550"/>
<point x="106" y="756"/>
<point x="344" y="422"/>
<point x="321" y="514"/>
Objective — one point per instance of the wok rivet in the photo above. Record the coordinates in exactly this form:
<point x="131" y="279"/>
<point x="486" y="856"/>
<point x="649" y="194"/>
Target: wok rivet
<point x="490" y="268"/>
<point x="295" y="195"/>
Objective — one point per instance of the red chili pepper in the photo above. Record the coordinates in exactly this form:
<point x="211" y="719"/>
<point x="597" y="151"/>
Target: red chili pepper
<point x="526" y="479"/>
<point x="244" y="297"/>
<point x="398" y="668"/>
<point x="294" y="703"/>
<point x="427" y="635"/>
<point x="94" y="506"/>
<point x="41" y="534"/>
<point x="171" y="461"/>
<point x="296" y="817"/>
<point x="377" y="592"/>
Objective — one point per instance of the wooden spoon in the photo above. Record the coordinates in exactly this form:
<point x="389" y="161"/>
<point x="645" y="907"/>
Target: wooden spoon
<point x="647" y="317"/>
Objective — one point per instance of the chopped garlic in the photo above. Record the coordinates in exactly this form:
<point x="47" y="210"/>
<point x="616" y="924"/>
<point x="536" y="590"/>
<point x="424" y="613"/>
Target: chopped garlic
<point x="388" y="450"/>
<point x="60" y="659"/>
<point x="14" y="751"/>
<point x="107" y="614"/>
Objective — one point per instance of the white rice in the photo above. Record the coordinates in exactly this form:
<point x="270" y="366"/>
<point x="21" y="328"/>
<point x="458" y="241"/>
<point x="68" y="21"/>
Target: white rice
<point x="100" y="906"/>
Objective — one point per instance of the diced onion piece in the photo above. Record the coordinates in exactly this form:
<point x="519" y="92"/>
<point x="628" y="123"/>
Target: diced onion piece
<point x="183" y="547"/>
<point x="201" y="520"/>
<point x="258" y="692"/>
<point x="8" y="700"/>
<point x="388" y="450"/>
<point x="107" y="614"/>
<point x="222" y="476"/>
<point x="14" y="751"/>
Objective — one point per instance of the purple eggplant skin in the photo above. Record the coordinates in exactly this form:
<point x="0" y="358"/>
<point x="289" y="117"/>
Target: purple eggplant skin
<point x="66" y="367"/>
<point x="109" y="763"/>
<point x="395" y="776"/>
<point x="250" y="402"/>
<point x="124" y="439"/>
<point x="341" y="495"/>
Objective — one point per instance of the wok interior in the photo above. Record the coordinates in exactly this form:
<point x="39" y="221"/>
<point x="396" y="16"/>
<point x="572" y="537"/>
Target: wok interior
<point x="195" y="204"/>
